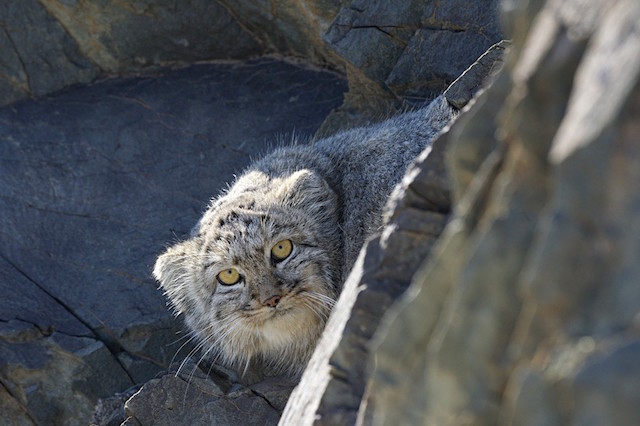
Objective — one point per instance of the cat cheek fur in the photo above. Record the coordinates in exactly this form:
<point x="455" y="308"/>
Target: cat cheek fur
<point x="174" y="269"/>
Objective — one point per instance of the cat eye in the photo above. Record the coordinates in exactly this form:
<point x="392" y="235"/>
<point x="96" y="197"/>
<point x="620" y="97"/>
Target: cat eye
<point x="229" y="276"/>
<point x="281" y="250"/>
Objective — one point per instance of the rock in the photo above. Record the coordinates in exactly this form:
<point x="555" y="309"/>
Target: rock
<point x="37" y="56"/>
<point x="527" y="311"/>
<point x="192" y="397"/>
<point x="477" y="76"/>
<point x="406" y="52"/>
<point x="409" y="50"/>
<point x="53" y="375"/>
<point x="94" y="182"/>
<point x="290" y="27"/>
<point x="371" y="36"/>
<point x="49" y="45"/>
<point x="110" y="411"/>
<point x="415" y="48"/>
<point x="125" y="37"/>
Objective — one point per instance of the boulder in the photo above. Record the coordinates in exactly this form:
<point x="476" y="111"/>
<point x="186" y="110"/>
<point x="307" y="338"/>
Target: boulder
<point x="48" y="45"/>
<point x="527" y="312"/>
<point x="391" y="52"/>
<point x="94" y="182"/>
<point x="215" y="397"/>
<point x="37" y="56"/>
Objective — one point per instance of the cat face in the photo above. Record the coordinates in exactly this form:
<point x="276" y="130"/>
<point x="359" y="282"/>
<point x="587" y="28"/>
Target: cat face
<point x="260" y="274"/>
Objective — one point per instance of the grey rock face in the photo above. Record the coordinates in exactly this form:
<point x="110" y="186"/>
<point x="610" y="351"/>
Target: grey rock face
<point x="528" y="311"/>
<point x="406" y="51"/>
<point x="37" y="56"/>
<point x="125" y="37"/>
<point x="193" y="397"/>
<point x="94" y="181"/>
<point x="415" y="48"/>
<point x="289" y="27"/>
<point x="390" y="50"/>
<point x="48" y="45"/>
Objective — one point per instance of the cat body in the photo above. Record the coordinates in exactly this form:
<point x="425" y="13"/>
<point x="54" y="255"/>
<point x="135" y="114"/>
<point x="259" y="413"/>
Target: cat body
<point x="257" y="279"/>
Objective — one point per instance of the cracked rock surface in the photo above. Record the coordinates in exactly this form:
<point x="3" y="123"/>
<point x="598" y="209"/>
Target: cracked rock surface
<point x="390" y="51"/>
<point x="192" y="396"/>
<point x="94" y="182"/>
<point x="48" y="45"/>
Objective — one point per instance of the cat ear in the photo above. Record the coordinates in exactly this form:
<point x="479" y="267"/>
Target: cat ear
<point x="174" y="270"/>
<point x="308" y="190"/>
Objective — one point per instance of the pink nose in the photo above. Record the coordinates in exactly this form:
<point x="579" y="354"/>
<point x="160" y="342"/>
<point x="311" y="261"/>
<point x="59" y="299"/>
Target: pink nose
<point x="272" y="301"/>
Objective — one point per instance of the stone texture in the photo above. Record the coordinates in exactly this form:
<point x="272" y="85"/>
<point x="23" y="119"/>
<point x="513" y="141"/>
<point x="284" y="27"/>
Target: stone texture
<point x="193" y="397"/>
<point x="488" y="65"/>
<point x="387" y="26"/>
<point x="126" y="36"/>
<point x="37" y="56"/>
<point x="527" y="312"/>
<point x="289" y="27"/>
<point x="94" y="181"/>
<point x="392" y="52"/>
<point x="414" y="48"/>
<point x="405" y="52"/>
<point x="49" y="45"/>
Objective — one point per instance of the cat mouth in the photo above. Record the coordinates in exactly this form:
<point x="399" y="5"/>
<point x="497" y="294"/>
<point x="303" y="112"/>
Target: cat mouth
<point x="302" y="304"/>
<point x="265" y="314"/>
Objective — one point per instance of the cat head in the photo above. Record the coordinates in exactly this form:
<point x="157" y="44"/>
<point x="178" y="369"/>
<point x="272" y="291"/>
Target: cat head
<point x="260" y="273"/>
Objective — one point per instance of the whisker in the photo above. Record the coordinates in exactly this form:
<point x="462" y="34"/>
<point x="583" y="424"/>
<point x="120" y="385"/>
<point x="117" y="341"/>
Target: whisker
<point x="191" y="337"/>
<point x="314" y="309"/>
<point x="319" y="296"/>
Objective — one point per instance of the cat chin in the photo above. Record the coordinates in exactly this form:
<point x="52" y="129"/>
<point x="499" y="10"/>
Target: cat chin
<point x="292" y="326"/>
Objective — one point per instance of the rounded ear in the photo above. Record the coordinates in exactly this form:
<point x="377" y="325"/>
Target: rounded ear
<point x="174" y="269"/>
<point x="306" y="189"/>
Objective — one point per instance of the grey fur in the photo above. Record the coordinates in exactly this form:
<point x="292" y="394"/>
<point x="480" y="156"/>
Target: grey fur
<point x="327" y="198"/>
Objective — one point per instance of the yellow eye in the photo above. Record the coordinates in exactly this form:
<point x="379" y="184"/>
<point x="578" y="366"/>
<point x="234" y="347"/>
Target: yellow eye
<point x="229" y="276"/>
<point x="281" y="250"/>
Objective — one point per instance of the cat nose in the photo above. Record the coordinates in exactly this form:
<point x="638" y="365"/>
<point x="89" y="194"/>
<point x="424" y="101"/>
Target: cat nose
<point x="272" y="301"/>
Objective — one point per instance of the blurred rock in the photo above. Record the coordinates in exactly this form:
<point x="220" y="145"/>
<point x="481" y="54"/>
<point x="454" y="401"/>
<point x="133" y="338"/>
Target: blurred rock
<point x="527" y="312"/>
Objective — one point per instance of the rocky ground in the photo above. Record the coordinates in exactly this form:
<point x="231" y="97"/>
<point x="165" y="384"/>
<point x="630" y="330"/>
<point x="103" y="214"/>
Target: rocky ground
<point x="517" y="236"/>
<point x="95" y="182"/>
